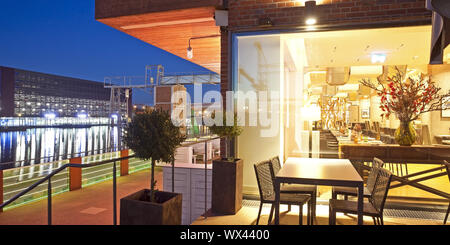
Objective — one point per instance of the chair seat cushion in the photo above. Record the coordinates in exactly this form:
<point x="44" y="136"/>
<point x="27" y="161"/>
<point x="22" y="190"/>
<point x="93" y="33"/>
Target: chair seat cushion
<point x="350" y="191"/>
<point x="290" y="198"/>
<point x="352" y="207"/>
<point x="296" y="188"/>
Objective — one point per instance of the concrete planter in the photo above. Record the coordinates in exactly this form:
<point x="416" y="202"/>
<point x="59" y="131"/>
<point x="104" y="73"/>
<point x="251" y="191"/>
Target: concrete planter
<point x="136" y="209"/>
<point x="227" y="182"/>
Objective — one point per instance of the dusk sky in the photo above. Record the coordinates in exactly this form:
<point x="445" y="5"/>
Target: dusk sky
<point x="63" y="38"/>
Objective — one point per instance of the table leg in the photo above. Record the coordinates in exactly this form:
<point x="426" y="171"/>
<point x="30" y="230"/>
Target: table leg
<point x="360" y="203"/>
<point x="277" y="202"/>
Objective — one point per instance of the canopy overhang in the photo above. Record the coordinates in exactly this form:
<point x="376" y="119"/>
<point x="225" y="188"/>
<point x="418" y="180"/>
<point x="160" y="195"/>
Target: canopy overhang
<point x="168" y="25"/>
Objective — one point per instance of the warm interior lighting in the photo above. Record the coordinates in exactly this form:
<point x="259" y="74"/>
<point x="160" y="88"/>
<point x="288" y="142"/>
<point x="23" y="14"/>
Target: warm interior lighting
<point x="311" y="21"/>
<point x="378" y="58"/>
<point x="366" y="70"/>
<point x="311" y="113"/>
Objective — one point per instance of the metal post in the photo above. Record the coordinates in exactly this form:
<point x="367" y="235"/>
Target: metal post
<point x="49" y="201"/>
<point x="206" y="178"/>
<point x="173" y="175"/>
<point x="114" y="195"/>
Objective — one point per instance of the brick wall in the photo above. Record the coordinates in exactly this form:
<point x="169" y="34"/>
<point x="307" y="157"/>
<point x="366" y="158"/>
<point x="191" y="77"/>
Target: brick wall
<point x="246" y="15"/>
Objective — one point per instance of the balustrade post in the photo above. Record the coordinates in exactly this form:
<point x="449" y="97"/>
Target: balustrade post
<point x="75" y="174"/>
<point x="1" y="189"/>
<point x="49" y="201"/>
<point x="124" y="163"/>
<point x="114" y="194"/>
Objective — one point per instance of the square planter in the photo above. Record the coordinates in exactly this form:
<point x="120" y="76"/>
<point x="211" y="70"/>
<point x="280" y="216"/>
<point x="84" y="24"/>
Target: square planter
<point x="227" y="182"/>
<point x="136" y="209"/>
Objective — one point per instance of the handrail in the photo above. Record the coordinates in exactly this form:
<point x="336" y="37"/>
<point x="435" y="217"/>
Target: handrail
<point x="71" y="165"/>
<point x="76" y="154"/>
<point x="49" y="176"/>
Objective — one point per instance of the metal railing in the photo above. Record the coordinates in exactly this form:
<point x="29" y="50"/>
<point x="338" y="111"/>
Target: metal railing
<point x="71" y="165"/>
<point x="49" y="176"/>
<point x="62" y="157"/>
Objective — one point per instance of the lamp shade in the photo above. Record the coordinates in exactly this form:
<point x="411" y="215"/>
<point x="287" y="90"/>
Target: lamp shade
<point x="311" y="113"/>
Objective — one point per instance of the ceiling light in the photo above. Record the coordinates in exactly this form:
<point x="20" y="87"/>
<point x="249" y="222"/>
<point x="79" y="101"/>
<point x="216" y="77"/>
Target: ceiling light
<point x="366" y="70"/>
<point x="378" y="58"/>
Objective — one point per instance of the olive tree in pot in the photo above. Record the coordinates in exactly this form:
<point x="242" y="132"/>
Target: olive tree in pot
<point x="152" y="136"/>
<point x="227" y="173"/>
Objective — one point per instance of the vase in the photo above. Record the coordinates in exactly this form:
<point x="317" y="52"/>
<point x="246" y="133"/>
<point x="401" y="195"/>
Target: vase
<point x="405" y="135"/>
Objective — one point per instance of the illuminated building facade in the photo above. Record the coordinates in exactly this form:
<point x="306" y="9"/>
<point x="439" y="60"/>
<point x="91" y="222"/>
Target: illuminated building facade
<point x="32" y="94"/>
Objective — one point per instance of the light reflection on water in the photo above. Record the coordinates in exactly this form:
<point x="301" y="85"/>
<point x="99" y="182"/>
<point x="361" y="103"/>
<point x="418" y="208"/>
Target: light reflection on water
<point x="42" y="145"/>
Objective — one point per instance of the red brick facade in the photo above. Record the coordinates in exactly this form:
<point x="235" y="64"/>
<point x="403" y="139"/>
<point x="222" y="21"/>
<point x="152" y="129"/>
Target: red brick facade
<point x="245" y="15"/>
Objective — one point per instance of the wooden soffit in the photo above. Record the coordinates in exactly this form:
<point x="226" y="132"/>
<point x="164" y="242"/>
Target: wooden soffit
<point x="170" y="29"/>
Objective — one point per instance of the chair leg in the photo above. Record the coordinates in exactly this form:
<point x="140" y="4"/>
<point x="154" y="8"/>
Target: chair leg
<point x="271" y="214"/>
<point x="374" y="221"/>
<point x="331" y="217"/>
<point x="308" y="213"/>
<point x="313" y="208"/>
<point x="446" y="216"/>
<point x="289" y="207"/>
<point x="300" y="215"/>
<point x="259" y="213"/>
<point x="381" y="219"/>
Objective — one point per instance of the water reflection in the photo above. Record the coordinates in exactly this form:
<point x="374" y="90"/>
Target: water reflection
<point x="42" y="145"/>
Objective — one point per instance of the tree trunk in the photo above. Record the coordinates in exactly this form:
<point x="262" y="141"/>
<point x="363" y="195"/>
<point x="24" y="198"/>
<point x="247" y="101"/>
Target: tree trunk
<point x="152" y="180"/>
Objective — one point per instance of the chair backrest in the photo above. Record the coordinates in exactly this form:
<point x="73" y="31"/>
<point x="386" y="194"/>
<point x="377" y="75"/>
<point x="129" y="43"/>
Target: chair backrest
<point x="380" y="190"/>
<point x="276" y="164"/>
<point x="447" y="165"/>
<point x="371" y="179"/>
<point x="264" y="177"/>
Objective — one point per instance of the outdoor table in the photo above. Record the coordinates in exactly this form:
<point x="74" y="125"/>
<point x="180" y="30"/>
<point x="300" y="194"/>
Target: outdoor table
<point x="319" y="171"/>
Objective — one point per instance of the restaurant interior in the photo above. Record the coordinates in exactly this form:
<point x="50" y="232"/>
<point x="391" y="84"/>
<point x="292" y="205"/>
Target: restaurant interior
<point x="319" y="97"/>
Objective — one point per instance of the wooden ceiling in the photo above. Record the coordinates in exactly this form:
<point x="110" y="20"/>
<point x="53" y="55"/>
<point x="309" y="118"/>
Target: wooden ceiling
<point x="171" y="31"/>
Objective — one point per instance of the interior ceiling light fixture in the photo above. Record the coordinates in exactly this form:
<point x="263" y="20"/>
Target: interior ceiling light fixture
<point x="378" y="58"/>
<point x="190" y="50"/>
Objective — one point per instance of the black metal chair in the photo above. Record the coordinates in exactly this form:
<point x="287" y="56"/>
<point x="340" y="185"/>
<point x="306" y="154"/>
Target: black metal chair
<point x="264" y="177"/>
<point x="310" y="190"/>
<point x="350" y="191"/>
<point x="447" y="165"/>
<point x="373" y="208"/>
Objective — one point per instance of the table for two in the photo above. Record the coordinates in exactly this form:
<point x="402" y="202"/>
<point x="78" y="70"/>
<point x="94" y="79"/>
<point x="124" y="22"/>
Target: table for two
<point x="319" y="171"/>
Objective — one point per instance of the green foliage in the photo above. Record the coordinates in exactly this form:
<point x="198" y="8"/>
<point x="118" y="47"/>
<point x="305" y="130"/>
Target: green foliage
<point x="153" y="136"/>
<point x="226" y="131"/>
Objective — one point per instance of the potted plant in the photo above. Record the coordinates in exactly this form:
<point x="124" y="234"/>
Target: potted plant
<point x="152" y="135"/>
<point x="227" y="173"/>
<point x="407" y="97"/>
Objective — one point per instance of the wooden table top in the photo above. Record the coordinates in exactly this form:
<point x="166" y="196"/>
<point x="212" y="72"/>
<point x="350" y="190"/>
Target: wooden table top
<point x="319" y="169"/>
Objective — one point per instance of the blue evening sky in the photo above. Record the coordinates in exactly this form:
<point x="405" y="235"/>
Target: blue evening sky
<point x="62" y="37"/>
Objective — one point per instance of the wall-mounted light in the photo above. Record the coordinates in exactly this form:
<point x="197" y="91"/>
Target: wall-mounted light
<point x="310" y="16"/>
<point x="190" y="50"/>
<point x="311" y="21"/>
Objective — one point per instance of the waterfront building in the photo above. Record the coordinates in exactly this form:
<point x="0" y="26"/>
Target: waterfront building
<point x="30" y="94"/>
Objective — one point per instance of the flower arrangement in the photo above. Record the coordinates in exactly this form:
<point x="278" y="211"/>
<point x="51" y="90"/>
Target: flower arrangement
<point x="356" y="133"/>
<point x="407" y="97"/>
<point x="357" y="128"/>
